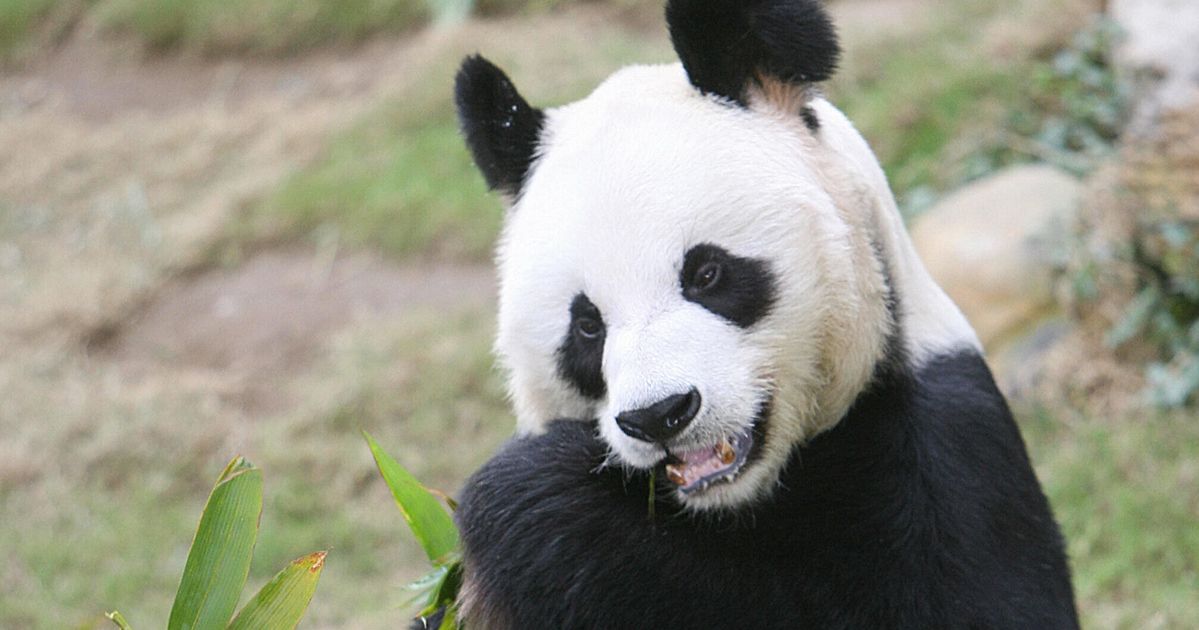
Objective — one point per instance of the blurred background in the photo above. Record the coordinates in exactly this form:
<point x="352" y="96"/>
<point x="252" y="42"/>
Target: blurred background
<point x="251" y="227"/>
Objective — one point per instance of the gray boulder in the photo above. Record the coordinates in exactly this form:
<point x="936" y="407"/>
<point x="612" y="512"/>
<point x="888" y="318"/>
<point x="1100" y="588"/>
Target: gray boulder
<point x="994" y="246"/>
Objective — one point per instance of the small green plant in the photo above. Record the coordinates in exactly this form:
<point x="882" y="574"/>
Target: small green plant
<point x="1069" y="112"/>
<point x="1165" y="311"/>
<point x="1079" y="103"/>
<point x="219" y="562"/>
<point x="434" y="528"/>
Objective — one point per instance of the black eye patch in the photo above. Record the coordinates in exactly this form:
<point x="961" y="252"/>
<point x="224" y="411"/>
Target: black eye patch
<point x="741" y="290"/>
<point x="581" y="354"/>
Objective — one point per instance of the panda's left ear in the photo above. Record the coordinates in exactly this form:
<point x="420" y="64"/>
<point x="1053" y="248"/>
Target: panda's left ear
<point x="729" y="46"/>
<point x="502" y="130"/>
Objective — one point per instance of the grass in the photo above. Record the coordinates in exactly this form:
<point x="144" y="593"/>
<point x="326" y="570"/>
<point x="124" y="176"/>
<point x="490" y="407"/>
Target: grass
<point x="261" y="26"/>
<point x="231" y="27"/>
<point x="918" y="100"/>
<point x="937" y="106"/>
<point x="404" y="188"/>
<point x="915" y="125"/>
<point x="28" y="25"/>
<point x="1123" y="490"/>
<point x="402" y="182"/>
<point x="110" y="525"/>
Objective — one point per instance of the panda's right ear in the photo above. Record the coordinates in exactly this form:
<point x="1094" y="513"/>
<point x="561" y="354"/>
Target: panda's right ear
<point x="502" y="130"/>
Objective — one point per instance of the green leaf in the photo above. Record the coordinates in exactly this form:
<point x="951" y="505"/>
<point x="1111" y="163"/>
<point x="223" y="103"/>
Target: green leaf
<point x="447" y="590"/>
<point x="430" y="523"/>
<point x="450" y="620"/>
<point x="426" y="587"/>
<point x="119" y="620"/>
<point x="1136" y="315"/>
<point x="282" y="602"/>
<point x="219" y="560"/>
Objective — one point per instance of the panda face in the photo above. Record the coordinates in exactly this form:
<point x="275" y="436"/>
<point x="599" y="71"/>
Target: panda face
<point x="704" y="257"/>
<point x="672" y="268"/>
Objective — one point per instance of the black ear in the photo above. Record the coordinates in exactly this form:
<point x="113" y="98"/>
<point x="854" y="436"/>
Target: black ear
<point x="501" y="129"/>
<point x="727" y="44"/>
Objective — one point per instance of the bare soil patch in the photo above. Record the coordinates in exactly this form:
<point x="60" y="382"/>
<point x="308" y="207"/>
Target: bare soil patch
<point x="252" y="328"/>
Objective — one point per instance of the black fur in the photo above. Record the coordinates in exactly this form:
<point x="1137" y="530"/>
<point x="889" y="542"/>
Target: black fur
<point x="580" y="359"/>
<point x="501" y="129"/>
<point x="725" y="45"/>
<point x="918" y="510"/>
<point x="744" y="293"/>
<point x="810" y="119"/>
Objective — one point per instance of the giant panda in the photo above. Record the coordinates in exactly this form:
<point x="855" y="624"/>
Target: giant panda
<point x="741" y="399"/>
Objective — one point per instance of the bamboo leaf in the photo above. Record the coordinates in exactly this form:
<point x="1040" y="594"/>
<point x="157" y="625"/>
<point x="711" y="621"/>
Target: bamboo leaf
<point x="118" y="619"/>
<point x="430" y="523"/>
<point x="281" y="602"/>
<point x="450" y="620"/>
<point x="426" y="587"/>
<point x="219" y="560"/>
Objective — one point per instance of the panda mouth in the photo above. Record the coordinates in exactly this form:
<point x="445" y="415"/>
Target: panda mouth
<point x="697" y="469"/>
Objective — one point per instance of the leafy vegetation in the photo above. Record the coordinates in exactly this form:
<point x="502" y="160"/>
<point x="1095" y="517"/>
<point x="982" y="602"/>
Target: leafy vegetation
<point x="1147" y="274"/>
<point x="1165" y="310"/>
<point x="219" y="562"/>
<point x="436" y="532"/>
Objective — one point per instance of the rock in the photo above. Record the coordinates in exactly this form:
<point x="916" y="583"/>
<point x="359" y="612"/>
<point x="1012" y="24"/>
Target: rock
<point x="1022" y="364"/>
<point x="1161" y="46"/>
<point x="994" y="244"/>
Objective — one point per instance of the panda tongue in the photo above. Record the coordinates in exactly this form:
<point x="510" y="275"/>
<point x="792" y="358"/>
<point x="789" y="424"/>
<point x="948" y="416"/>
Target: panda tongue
<point x="695" y="465"/>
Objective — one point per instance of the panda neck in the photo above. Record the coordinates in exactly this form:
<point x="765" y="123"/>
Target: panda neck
<point x="929" y="324"/>
<point x="926" y="319"/>
<point x="872" y="467"/>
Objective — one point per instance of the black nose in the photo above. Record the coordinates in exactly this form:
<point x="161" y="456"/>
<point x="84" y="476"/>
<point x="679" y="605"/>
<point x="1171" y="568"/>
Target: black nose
<point x="662" y="420"/>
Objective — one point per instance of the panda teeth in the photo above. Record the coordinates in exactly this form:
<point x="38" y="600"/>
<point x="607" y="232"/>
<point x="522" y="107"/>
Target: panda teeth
<point x="674" y="472"/>
<point x="725" y="451"/>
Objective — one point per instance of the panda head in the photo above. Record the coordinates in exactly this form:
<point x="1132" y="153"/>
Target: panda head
<point x="698" y="255"/>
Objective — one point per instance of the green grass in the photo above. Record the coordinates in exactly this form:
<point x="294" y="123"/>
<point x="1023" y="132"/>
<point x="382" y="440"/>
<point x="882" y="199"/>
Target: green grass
<point x="926" y="102"/>
<point x="407" y="189"/>
<point x="261" y="26"/>
<point x="28" y="25"/>
<point x="1124" y="491"/>
<point x="401" y="181"/>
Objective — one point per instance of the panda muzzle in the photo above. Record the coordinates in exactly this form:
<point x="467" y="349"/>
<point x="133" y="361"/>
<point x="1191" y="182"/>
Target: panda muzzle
<point x="696" y="469"/>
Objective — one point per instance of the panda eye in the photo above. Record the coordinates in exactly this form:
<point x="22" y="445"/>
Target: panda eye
<point x="589" y="328"/>
<point x="739" y="289"/>
<point x="706" y="277"/>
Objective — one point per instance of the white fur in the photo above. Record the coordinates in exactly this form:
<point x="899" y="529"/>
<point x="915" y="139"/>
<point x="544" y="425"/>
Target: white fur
<point x="643" y="169"/>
